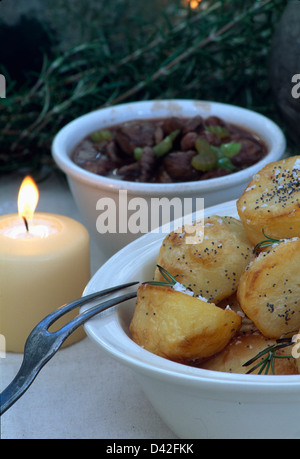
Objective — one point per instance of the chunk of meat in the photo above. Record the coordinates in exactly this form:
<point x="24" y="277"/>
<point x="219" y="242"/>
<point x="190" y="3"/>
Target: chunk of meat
<point x="135" y="134"/>
<point x="147" y="165"/>
<point x="178" y="166"/>
<point x="250" y="152"/>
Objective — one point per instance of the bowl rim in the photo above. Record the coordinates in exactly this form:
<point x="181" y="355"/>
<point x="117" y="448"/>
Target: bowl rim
<point x="107" y="332"/>
<point x="62" y="159"/>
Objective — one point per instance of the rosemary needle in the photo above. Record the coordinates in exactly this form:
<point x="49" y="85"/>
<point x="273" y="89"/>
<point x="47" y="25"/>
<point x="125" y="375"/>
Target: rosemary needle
<point x="170" y="280"/>
<point x="269" y="241"/>
<point x="271" y="355"/>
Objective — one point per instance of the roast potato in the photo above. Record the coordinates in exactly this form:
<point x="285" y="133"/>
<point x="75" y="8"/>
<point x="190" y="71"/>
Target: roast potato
<point x="243" y="348"/>
<point x="180" y="327"/>
<point x="212" y="266"/>
<point x="271" y="202"/>
<point x="269" y="290"/>
<point x="247" y="326"/>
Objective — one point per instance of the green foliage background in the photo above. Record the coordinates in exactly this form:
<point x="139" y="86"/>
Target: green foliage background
<point x="141" y="51"/>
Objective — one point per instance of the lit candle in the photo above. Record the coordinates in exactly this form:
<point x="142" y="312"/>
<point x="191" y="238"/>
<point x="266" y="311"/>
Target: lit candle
<point x="193" y="4"/>
<point x="44" y="263"/>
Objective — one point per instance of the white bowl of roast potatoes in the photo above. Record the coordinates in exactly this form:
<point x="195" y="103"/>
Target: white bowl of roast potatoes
<point x="214" y="333"/>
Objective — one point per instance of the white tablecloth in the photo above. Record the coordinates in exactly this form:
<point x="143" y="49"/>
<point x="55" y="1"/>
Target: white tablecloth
<point x="82" y="393"/>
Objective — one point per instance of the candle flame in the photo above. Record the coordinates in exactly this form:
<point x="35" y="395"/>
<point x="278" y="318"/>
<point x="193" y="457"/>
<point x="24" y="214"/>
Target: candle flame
<point x="28" y="198"/>
<point x="193" y="4"/>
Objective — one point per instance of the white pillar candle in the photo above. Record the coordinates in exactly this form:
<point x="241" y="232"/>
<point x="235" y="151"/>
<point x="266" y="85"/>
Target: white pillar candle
<point x="41" y="268"/>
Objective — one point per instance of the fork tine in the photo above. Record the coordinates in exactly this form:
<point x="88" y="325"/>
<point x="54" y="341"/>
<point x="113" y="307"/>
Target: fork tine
<point x="71" y="326"/>
<point x="62" y="310"/>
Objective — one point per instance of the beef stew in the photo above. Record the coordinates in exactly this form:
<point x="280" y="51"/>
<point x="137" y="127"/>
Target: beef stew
<point x="169" y="150"/>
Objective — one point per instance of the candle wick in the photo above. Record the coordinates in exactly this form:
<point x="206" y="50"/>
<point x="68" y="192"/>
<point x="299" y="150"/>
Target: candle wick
<point x="26" y="224"/>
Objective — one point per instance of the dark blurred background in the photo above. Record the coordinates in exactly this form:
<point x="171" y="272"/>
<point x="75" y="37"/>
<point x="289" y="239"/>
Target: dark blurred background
<point x="63" y="58"/>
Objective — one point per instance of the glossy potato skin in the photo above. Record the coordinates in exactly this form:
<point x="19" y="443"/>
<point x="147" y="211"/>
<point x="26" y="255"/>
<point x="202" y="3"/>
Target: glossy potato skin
<point x="247" y="326"/>
<point x="243" y="348"/>
<point x="271" y="201"/>
<point x="269" y="290"/>
<point x="211" y="267"/>
<point x="180" y="327"/>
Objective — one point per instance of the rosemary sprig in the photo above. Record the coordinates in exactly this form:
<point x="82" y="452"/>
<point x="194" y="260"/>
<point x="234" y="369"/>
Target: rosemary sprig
<point x="170" y="280"/>
<point x="269" y="355"/>
<point x="269" y="241"/>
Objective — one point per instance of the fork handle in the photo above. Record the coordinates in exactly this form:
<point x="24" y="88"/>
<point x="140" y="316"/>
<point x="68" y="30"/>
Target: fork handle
<point x="16" y="388"/>
<point x="38" y="358"/>
<point x="30" y="366"/>
<point x="28" y="371"/>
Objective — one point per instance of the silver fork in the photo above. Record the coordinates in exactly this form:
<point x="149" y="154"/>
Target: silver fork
<point x="41" y="345"/>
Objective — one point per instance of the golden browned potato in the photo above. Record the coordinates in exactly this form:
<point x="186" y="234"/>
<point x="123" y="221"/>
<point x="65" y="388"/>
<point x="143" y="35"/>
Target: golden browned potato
<point x="271" y="202"/>
<point x="243" y="348"/>
<point x="211" y="267"/>
<point x="269" y="290"/>
<point x="247" y="326"/>
<point x="180" y="327"/>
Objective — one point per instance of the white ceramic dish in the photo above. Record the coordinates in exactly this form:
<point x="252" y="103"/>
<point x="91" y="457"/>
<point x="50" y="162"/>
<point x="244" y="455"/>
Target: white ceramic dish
<point x="194" y="403"/>
<point x="88" y="188"/>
